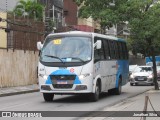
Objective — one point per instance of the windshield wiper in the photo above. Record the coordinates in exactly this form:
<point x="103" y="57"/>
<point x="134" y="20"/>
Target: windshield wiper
<point x="76" y="58"/>
<point x="55" y="57"/>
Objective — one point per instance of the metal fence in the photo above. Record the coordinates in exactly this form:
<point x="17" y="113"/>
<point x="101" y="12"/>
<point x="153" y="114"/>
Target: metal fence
<point x="22" y="33"/>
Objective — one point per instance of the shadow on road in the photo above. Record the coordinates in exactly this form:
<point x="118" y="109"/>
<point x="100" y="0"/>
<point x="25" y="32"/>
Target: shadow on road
<point x="80" y="98"/>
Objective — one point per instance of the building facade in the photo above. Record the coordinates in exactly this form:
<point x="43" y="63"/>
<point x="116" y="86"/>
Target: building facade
<point x="64" y="13"/>
<point x="70" y="13"/>
<point x="53" y="12"/>
<point x="72" y="20"/>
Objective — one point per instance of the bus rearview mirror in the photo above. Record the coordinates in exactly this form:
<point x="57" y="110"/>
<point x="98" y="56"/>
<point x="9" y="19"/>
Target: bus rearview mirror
<point x="98" y="44"/>
<point x="39" y="45"/>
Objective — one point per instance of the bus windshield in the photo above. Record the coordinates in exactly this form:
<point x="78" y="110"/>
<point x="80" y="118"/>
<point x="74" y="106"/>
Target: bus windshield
<point x="66" y="49"/>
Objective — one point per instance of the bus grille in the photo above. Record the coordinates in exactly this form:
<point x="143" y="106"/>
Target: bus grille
<point x="62" y="81"/>
<point x="62" y="86"/>
<point x="62" y="77"/>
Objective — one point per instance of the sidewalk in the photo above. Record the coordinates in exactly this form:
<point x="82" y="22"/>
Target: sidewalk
<point x="132" y="108"/>
<point x="18" y="90"/>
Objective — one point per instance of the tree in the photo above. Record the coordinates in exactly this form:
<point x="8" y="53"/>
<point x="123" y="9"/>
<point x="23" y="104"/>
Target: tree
<point x="29" y="8"/>
<point x="145" y="27"/>
<point x="143" y="17"/>
<point x="104" y="11"/>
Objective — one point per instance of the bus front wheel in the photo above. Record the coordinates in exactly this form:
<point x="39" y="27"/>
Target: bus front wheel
<point x="48" y="97"/>
<point x="95" y="96"/>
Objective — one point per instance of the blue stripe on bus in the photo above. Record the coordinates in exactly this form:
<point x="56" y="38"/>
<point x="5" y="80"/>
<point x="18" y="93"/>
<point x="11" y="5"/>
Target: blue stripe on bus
<point x="48" y="81"/>
<point x="62" y="72"/>
<point x="77" y="81"/>
<point x="123" y="71"/>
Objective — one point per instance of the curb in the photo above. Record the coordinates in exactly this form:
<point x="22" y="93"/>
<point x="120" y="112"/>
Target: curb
<point x="18" y="92"/>
<point x="134" y="95"/>
<point x="112" y="104"/>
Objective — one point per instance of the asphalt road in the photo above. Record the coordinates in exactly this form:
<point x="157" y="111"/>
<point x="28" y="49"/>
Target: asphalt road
<point x="35" y="102"/>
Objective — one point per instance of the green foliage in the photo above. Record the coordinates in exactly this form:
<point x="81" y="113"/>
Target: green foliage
<point x="143" y="17"/>
<point x="30" y="9"/>
<point x="102" y="10"/>
<point x="145" y="25"/>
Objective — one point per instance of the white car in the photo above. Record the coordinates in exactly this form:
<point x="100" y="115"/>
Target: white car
<point x="142" y="75"/>
<point x="131" y="68"/>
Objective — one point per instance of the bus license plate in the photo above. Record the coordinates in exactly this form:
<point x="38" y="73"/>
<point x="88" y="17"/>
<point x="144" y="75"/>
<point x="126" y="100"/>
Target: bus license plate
<point x="61" y="82"/>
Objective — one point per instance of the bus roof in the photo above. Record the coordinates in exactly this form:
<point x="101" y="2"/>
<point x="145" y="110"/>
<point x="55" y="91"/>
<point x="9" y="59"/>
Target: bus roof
<point x="88" y="34"/>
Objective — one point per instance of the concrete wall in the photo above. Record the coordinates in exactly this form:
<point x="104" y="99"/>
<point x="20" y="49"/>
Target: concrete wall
<point x="18" y="68"/>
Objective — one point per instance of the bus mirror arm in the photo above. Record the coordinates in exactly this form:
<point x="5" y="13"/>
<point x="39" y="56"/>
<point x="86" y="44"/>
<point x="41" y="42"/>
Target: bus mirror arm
<point x="98" y="44"/>
<point x="39" y="45"/>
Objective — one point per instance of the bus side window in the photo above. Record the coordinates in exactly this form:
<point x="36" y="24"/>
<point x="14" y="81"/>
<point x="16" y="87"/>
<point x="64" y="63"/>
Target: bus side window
<point x="111" y="48"/>
<point x="116" y="50"/>
<point x="124" y="51"/>
<point x="120" y="50"/>
<point x="106" y="48"/>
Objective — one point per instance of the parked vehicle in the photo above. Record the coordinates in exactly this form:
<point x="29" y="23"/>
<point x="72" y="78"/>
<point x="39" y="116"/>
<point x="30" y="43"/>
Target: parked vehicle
<point x="131" y="68"/>
<point x="158" y="73"/>
<point x="142" y="75"/>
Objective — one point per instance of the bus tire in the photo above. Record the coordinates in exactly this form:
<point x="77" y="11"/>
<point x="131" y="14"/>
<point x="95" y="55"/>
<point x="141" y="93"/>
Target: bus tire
<point x="95" y="96"/>
<point x="131" y="84"/>
<point x="48" y="97"/>
<point x="117" y="91"/>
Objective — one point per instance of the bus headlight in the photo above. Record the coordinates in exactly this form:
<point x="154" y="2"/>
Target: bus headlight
<point x="45" y="77"/>
<point x="84" y="75"/>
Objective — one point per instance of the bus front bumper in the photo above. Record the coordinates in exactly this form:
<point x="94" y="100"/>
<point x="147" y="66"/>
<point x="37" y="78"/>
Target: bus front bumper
<point x="64" y="89"/>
